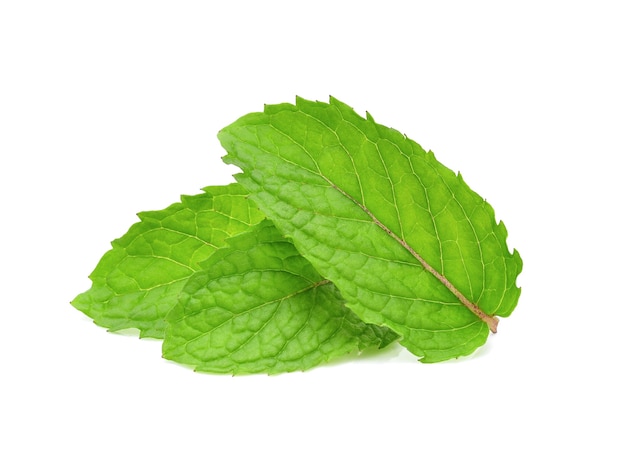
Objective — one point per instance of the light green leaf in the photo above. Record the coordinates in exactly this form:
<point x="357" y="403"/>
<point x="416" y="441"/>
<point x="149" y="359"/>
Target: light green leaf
<point x="259" y="306"/>
<point x="137" y="282"/>
<point x="406" y="241"/>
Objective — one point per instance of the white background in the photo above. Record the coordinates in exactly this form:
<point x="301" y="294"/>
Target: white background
<point x="110" y="108"/>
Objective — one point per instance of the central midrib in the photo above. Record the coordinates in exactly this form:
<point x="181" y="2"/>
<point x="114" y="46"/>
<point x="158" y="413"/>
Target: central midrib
<point x="490" y="320"/>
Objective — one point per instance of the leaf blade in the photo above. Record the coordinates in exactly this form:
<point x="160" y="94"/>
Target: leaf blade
<point x="137" y="282"/>
<point x="366" y="205"/>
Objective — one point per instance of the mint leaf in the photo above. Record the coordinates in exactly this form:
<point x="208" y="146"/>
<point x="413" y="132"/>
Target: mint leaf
<point x="407" y="242"/>
<point x="137" y="282"/>
<point x="259" y="306"/>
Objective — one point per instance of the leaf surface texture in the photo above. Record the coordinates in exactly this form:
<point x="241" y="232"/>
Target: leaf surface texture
<point x="259" y="306"/>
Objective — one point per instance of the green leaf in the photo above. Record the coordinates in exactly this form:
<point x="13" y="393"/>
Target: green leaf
<point x="259" y="306"/>
<point x="406" y="241"/>
<point x="137" y="282"/>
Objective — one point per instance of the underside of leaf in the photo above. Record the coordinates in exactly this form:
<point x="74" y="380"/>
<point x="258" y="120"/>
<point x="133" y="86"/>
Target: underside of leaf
<point x="406" y="241"/>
